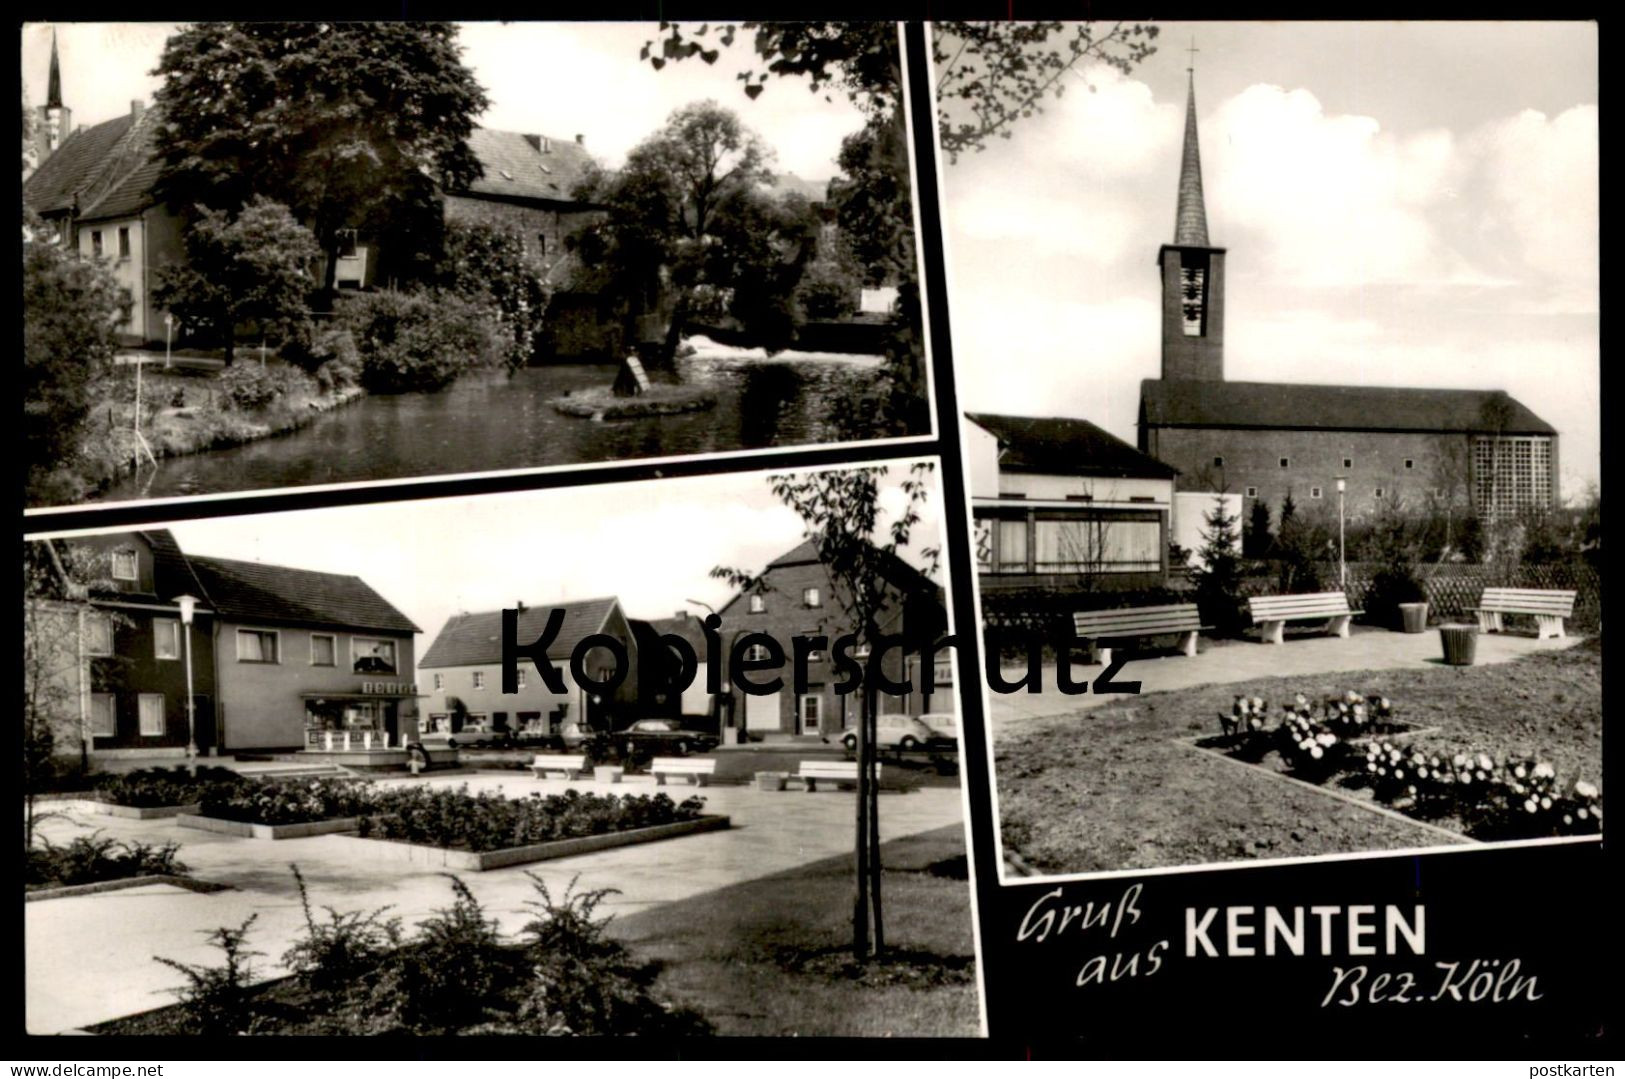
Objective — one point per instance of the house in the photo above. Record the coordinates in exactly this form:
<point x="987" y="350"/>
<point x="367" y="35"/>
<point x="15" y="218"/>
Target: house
<point x="1059" y="504"/>
<point x="121" y="657"/>
<point x="796" y="595"/>
<point x="695" y="704"/>
<point x="1264" y="441"/>
<point x="300" y="653"/>
<point x="462" y="672"/>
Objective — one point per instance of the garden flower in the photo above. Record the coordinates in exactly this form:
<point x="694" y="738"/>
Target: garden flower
<point x="1316" y="752"/>
<point x="1530" y="805"/>
<point x="1518" y="771"/>
<point x="1484" y="762"/>
<point x="1584" y="789"/>
<point x="1545" y="803"/>
<point x="1544" y="771"/>
<point x="1459" y="760"/>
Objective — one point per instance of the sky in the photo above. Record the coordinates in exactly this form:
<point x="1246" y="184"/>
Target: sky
<point x="652" y="543"/>
<point x="554" y="79"/>
<point x="1408" y="204"/>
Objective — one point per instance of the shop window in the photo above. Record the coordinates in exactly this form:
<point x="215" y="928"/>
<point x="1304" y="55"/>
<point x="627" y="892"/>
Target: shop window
<point x="125" y="567"/>
<point x="166" y="638"/>
<point x="371" y="655"/>
<point x="256" y="646"/>
<point x="98" y="635"/>
<point x="103" y="715"/>
<point x="152" y="715"/>
<point x="323" y="650"/>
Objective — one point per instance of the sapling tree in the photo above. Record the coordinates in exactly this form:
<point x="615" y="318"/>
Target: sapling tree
<point x="840" y="510"/>
<point x="1218" y="574"/>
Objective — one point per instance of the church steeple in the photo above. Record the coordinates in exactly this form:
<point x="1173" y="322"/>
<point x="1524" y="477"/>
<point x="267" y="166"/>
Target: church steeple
<point x="1192" y="272"/>
<point x="53" y="121"/>
<point x="1190" y="223"/>
<point x="53" y="88"/>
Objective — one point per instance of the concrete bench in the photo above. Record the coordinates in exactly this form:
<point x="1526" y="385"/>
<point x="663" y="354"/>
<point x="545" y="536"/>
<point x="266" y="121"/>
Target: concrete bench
<point x="565" y="765"/>
<point x="699" y="770"/>
<point x="1272" y="613"/>
<point x="1131" y="622"/>
<point x="1549" y="606"/>
<point x="841" y="773"/>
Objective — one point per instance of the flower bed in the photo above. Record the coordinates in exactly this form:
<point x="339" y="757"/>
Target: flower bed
<point x="458" y="820"/>
<point x="301" y="801"/>
<point x="94" y="859"/>
<point x="165" y="788"/>
<point x="1356" y="743"/>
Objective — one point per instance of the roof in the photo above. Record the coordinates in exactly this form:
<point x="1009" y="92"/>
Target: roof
<point x="172" y="573"/>
<point x="1190" y="218"/>
<point x="687" y="626"/>
<point x="897" y="570"/>
<point x="1190" y="403"/>
<point x="468" y="640"/>
<point x="254" y="591"/>
<point x="1067" y="446"/>
<point x="77" y="164"/>
<point x="527" y="166"/>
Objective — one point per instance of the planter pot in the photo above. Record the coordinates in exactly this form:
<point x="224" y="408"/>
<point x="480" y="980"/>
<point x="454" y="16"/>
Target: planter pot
<point x="608" y="773"/>
<point x="1414" y="616"/>
<point x="1460" y="644"/>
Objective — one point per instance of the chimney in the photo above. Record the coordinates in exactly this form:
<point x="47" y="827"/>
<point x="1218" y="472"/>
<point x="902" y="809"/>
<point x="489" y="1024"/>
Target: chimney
<point x="581" y="140"/>
<point x="519" y="605"/>
<point x="682" y="615"/>
<point x="137" y="107"/>
<point x="535" y="142"/>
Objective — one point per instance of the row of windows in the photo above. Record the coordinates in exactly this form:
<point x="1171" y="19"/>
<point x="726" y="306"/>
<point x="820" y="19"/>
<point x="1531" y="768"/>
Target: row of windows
<point x="1286" y="462"/>
<point x="123" y="243"/>
<point x="810" y="597"/>
<point x="477" y="679"/>
<point x="1318" y="492"/>
<point x="368" y="655"/>
<point x="104" y="715"/>
<point x="1069" y="545"/>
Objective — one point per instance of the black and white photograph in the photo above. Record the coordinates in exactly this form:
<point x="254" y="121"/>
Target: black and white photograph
<point x="1277" y="350"/>
<point x="263" y="256"/>
<point x="276" y="772"/>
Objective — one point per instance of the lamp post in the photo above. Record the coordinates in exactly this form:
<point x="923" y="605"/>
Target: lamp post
<point x="1342" y="562"/>
<point x="188" y="605"/>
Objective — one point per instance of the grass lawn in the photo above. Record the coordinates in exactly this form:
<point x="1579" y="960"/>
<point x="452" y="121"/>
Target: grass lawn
<point x="772" y="956"/>
<point x="1112" y="788"/>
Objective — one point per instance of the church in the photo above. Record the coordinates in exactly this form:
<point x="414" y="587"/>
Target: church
<point x="1266" y="440"/>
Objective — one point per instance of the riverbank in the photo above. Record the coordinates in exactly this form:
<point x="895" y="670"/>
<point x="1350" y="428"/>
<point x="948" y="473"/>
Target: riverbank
<point x="660" y="399"/>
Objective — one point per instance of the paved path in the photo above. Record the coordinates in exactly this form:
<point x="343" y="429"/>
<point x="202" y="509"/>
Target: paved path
<point x="90" y="958"/>
<point x="1240" y="661"/>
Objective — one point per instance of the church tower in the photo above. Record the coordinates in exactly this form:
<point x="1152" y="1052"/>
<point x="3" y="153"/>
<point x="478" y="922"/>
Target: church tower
<point x="1192" y="275"/>
<point x="53" y="121"/>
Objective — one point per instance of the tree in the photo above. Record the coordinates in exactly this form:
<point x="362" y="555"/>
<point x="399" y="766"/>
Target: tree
<point x="487" y="264"/>
<point x="992" y="74"/>
<point x="72" y="311"/>
<point x="252" y="267"/>
<point x="1218" y="574"/>
<point x="840" y="515"/>
<point x="1300" y="545"/>
<point x="1255" y="539"/>
<point x="688" y="217"/>
<point x="351" y="125"/>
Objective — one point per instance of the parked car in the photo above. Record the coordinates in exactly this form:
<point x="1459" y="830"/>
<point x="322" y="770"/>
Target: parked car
<point x="468" y="736"/>
<point x="575" y="736"/>
<point x="663" y="737"/>
<point x="936" y="731"/>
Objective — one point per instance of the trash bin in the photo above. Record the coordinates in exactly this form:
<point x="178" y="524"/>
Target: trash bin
<point x="1460" y="644"/>
<point x="771" y="781"/>
<point x="1415" y="616"/>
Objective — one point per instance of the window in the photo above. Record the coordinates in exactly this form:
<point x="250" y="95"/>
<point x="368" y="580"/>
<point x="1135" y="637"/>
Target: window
<point x="479" y="679"/>
<point x="152" y="715"/>
<point x="323" y="650"/>
<point x="756" y="651"/>
<point x="1511" y="474"/>
<point x="1377" y="491"/>
<point x="124" y="243"/>
<point x="166" y="638"/>
<point x="1012" y="546"/>
<point x="519" y="676"/>
<point x="1193" y="296"/>
<point x="96" y="243"/>
<point x="1252" y="492"/>
<point x="103" y="716"/>
<point x="1097" y="545"/>
<point x="256" y="646"/>
<point x="1286" y="462"/>
<point x="1410" y="462"/>
<point x="757" y="604"/>
<point x="541" y="243"/>
<point x="810" y="706"/>
<point x="810" y="598"/>
<point x="439" y="681"/>
<point x="1348" y="462"/>
<point x="98" y="635"/>
<point x="1218" y="462"/>
<point x="1314" y="492"/>
<point x="372" y="655"/>
<point x="125" y="567"/>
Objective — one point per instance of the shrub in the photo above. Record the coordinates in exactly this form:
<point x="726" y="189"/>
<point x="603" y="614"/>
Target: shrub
<point x="329" y="355"/>
<point x="148" y="787"/>
<point x="338" y="957"/>
<point x="93" y="858"/>
<point x="484" y="822"/>
<point x="1218" y="576"/>
<point x="417" y="340"/>
<point x="289" y="802"/>
<point x="216" y="1000"/>
<point x="250" y="385"/>
<point x="486" y="265"/>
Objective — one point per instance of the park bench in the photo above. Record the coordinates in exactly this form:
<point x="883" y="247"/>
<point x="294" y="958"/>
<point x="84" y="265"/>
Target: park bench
<point x="700" y="771"/>
<point x="566" y="765"/>
<point x="1130" y="622"/>
<point x="1272" y="613"/>
<point x="842" y="773"/>
<point x="1549" y="606"/>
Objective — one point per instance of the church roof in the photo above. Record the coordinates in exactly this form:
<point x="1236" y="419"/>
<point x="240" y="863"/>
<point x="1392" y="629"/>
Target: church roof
<point x="1190" y="220"/>
<point x="1208" y="403"/>
<point x="1067" y="446"/>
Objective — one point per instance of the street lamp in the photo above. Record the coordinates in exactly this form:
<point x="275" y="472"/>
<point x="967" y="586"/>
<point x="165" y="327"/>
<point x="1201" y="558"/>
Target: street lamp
<point x="188" y="605"/>
<point x="1342" y="563"/>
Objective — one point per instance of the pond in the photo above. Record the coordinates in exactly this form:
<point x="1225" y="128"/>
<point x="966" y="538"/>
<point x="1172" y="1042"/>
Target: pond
<point x="489" y="420"/>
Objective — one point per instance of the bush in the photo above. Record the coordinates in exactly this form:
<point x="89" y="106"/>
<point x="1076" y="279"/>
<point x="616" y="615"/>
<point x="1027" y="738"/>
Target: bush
<point x="484" y="822"/>
<point x="148" y="787"/>
<point x="338" y="957"/>
<point x="329" y="355"/>
<point x="417" y="340"/>
<point x="289" y="802"/>
<point x="249" y="385"/>
<point x="91" y="859"/>
<point x="486" y="265"/>
<point x="216" y="1000"/>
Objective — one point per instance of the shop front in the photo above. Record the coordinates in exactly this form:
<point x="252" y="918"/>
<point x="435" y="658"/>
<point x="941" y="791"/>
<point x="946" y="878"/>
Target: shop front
<point x="375" y="718"/>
